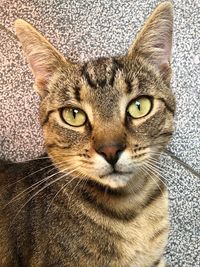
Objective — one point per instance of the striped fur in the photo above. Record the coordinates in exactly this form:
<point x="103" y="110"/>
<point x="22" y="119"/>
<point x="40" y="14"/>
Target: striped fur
<point x="73" y="207"/>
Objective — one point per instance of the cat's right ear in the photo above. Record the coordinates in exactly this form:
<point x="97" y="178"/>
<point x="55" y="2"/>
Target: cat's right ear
<point x="154" y="42"/>
<point x="43" y="58"/>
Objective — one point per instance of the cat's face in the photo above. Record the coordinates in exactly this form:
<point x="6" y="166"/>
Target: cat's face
<point x="120" y="114"/>
<point x="105" y="119"/>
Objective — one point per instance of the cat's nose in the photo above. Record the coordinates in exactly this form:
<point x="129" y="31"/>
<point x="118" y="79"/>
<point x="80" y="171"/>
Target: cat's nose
<point x="111" y="153"/>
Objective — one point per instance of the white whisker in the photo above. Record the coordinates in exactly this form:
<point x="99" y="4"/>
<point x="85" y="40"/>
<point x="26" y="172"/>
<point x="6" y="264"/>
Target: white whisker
<point x="62" y="188"/>
<point x="31" y="188"/>
<point x="146" y="167"/>
<point x="52" y="182"/>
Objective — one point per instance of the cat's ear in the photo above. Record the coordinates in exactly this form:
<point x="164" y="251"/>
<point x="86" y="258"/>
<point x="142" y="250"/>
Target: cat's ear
<point x="42" y="57"/>
<point x="154" y="41"/>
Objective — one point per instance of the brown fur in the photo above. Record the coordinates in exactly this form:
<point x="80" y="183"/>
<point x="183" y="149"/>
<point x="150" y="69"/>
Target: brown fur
<point x="73" y="210"/>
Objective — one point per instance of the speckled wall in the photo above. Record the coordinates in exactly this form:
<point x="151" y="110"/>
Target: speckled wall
<point x="87" y="29"/>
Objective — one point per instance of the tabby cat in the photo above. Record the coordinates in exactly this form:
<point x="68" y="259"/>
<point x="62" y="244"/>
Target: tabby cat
<point x="93" y="200"/>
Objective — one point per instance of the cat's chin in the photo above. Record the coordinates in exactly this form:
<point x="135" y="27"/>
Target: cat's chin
<point x="116" y="180"/>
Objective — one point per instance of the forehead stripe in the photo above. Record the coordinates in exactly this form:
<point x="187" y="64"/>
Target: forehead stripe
<point x="129" y="86"/>
<point x="77" y="95"/>
<point x="87" y="77"/>
<point x="115" y="67"/>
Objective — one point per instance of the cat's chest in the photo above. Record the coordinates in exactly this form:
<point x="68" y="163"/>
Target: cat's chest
<point x="74" y="234"/>
<point x="137" y="242"/>
<point x="143" y="240"/>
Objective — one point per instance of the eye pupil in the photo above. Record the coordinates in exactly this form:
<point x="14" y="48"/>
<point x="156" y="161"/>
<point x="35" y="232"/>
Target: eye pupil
<point x="74" y="112"/>
<point x="137" y="103"/>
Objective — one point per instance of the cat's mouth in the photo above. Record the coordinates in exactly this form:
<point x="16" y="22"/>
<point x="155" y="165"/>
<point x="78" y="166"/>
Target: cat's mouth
<point x="115" y="173"/>
<point x="116" y="179"/>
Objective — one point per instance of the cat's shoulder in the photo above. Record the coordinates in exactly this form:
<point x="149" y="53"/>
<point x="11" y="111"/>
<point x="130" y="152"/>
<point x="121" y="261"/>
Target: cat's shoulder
<point x="13" y="170"/>
<point x="5" y="165"/>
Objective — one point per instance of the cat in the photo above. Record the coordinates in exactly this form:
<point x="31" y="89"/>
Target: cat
<point x="92" y="200"/>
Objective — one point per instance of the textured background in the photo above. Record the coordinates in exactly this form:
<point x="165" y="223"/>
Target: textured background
<point x="87" y="29"/>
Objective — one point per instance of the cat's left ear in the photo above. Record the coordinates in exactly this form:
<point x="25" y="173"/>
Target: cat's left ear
<point x="43" y="58"/>
<point x="154" y="41"/>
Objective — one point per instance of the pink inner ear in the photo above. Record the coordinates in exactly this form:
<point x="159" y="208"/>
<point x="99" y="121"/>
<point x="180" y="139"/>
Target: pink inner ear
<point x="41" y="68"/>
<point x="162" y="58"/>
<point x="167" y="47"/>
<point x="41" y="87"/>
<point x="164" y="66"/>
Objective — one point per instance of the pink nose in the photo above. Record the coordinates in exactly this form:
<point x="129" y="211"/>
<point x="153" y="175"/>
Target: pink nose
<point x="111" y="153"/>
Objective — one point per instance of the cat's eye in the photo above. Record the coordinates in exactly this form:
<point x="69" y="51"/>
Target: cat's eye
<point x="74" y="116"/>
<point x="140" y="107"/>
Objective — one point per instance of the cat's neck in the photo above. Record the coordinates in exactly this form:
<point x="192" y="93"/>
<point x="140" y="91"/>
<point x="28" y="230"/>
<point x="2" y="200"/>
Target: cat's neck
<point x="124" y="203"/>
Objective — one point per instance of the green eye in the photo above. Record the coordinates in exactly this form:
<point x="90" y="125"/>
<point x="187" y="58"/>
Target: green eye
<point x="139" y="107"/>
<point x="73" y="116"/>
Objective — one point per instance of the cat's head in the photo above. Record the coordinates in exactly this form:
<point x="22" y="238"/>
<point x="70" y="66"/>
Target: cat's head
<point x="106" y="119"/>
